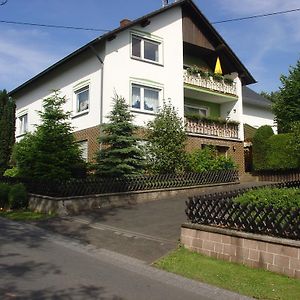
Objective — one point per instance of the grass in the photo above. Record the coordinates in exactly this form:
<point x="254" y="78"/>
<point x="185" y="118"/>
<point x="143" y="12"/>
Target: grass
<point x="255" y="283"/>
<point x="24" y="215"/>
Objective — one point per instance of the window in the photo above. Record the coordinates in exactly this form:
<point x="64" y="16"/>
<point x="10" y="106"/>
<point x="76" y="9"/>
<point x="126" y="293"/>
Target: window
<point x="145" y="98"/>
<point x="145" y="49"/>
<point x="23" y="124"/>
<point x="194" y="110"/>
<point x="83" y="146"/>
<point x="82" y="99"/>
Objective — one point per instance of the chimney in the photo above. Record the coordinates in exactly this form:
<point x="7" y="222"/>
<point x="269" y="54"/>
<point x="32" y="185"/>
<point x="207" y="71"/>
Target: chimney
<point x="124" y="22"/>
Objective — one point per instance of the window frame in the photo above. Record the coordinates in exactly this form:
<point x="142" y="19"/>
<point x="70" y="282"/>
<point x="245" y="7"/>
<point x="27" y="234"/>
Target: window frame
<point x="198" y="108"/>
<point x="80" y="87"/>
<point x="142" y="87"/>
<point x="23" y="129"/>
<point x="150" y="39"/>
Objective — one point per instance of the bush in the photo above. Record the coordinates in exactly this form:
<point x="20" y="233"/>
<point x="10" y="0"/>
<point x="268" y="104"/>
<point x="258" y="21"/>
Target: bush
<point x="261" y="147"/>
<point x="280" y="153"/>
<point x="278" y="198"/>
<point x="18" y="197"/>
<point x="13" y="172"/>
<point x="206" y="159"/>
<point x="4" y="190"/>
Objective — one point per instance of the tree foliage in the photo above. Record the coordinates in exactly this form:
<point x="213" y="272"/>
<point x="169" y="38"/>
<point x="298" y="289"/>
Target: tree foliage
<point x="286" y="106"/>
<point x="7" y="129"/>
<point x="51" y="151"/>
<point x="166" y="142"/>
<point x="120" y="155"/>
<point x="260" y="146"/>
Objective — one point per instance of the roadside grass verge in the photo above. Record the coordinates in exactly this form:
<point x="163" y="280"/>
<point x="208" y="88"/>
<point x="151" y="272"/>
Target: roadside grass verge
<point x="255" y="283"/>
<point x="24" y="215"/>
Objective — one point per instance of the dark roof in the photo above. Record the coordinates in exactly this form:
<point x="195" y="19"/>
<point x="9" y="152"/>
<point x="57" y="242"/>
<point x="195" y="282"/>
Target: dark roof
<point x="252" y="98"/>
<point x="189" y="4"/>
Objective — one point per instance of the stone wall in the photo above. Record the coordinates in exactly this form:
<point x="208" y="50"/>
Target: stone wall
<point x="71" y="205"/>
<point x="235" y="148"/>
<point x="257" y="251"/>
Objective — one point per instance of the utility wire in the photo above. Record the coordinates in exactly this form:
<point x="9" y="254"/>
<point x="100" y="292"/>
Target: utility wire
<point x="106" y="30"/>
<point x="3" y="2"/>
<point x="258" y="16"/>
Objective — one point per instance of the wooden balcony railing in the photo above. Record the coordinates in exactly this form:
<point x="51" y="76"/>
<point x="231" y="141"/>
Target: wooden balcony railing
<point x="210" y="83"/>
<point x="203" y="127"/>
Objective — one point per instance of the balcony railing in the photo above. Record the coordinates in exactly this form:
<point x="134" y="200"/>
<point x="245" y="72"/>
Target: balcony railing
<point x="202" y="127"/>
<point x="210" y="83"/>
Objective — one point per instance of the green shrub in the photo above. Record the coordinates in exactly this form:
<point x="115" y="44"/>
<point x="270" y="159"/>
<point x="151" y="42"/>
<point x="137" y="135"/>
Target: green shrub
<point x="280" y="153"/>
<point x="18" y="197"/>
<point x="206" y="159"/>
<point x="13" y="172"/>
<point x="4" y="190"/>
<point x="261" y="147"/>
<point x="278" y="198"/>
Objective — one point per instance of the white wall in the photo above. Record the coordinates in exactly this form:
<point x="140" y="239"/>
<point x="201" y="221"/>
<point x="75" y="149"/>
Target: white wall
<point x="120" y="68"/>
<point x="258" y="116"/>
<point x="65" y="78"/>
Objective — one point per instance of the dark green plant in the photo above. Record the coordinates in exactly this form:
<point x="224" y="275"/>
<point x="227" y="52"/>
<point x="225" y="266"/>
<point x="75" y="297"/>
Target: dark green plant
<point x="208" y="119"/>
<point x="51" y="152"/>
<point x="7" y="129"/>
<point x="18" y="197"/>
<point x="261" y="147"/>
<point x="218" y="77"/>
<point x="4" y="191"/>
<point x="228" y="81"/>
<point x="193" y="70"/>
<point x="13" y="172"/>
<point x="166" y="142"/>
<point x="295" y="142"/>
<point x="286" y="104"/>
<point x="120" y="155"/>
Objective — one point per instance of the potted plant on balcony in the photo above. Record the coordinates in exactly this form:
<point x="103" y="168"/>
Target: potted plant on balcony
<point x="228" y="81"/>
<point x="218" y="77"/>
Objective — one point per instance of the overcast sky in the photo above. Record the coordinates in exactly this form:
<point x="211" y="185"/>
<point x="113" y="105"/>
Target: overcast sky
<point x="267" y="46"/>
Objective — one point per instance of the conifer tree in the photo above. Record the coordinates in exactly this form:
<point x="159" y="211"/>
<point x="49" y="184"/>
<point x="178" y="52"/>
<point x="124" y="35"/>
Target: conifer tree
<point x="119" y="155"/>
<point x="7" y="129"/>
<point x="166" y="142"/>
<point x="51" y="151"/>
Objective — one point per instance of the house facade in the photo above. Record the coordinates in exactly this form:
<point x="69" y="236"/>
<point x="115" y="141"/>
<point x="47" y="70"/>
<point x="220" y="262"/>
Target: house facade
<point x="168" y="54"/>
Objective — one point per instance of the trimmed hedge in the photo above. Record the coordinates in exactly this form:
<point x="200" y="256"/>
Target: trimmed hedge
<point x="18" y="197"/>
<point x="4" y="191"/>
<point x="277" y="197"/>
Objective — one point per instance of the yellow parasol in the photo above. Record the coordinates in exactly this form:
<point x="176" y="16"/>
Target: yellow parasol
<point x="218" y="68"/>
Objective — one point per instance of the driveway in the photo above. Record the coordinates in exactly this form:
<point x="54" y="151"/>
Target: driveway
<point x="144" y="231"/>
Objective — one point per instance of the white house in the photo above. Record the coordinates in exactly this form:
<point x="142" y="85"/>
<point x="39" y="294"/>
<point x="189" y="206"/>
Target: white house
<point x="146" y="61"/>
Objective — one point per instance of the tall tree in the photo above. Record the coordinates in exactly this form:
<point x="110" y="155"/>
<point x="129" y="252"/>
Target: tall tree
<point x="7" y="129"/>
<point x="166" y="142"/>
<point x="286" y="106"/>
<point x="51" y="152"/>
<point x="120" y="155"/>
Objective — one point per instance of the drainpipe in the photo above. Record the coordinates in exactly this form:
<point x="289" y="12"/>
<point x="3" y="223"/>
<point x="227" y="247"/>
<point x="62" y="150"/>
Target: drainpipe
<point x="101" y="87"/>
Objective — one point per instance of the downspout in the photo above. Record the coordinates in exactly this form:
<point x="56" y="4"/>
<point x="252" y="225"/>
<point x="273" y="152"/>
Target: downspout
<point x="101" y="87"/>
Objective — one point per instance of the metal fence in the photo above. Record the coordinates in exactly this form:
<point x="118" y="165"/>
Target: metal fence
<point x="220" y="210"/>
<point x="94" y="185"/>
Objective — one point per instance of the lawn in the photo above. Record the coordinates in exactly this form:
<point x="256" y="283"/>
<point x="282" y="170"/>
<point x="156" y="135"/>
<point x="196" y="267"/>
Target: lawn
<point x="255" y="283"/>
<point x="24" y="215"/>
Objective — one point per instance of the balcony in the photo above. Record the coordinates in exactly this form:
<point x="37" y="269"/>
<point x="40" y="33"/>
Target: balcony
<point x="208" y="82"/>
<point x="212" y="129"/>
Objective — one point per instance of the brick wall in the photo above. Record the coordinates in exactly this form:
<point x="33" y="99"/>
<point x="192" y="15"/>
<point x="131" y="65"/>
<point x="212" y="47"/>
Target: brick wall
<point x="257" y="251"/>
<point x="235" y="148"/>
<point x="90" y="135"/>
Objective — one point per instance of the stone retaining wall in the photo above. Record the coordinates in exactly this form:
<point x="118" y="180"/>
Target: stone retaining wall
<point x="257" y="251"/>
<point x="73" y="205"/>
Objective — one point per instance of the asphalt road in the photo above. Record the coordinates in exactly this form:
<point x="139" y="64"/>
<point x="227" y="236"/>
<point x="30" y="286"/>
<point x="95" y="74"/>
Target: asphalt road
<point x="36" y="264"/>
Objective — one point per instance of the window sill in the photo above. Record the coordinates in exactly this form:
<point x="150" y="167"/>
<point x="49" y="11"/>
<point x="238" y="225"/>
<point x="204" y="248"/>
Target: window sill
<point x="21" y="134"/>
<point x="145" y="112"/>
<point x="79" y="114"/>
<point x="147" y="61"/>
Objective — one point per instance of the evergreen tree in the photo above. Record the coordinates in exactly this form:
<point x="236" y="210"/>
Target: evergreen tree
<point x="51" y="152"/>
<point x="7" y="129"/>
<point x="286" y="106"/>
<point x="120" y="155"/>
<point x="166" y="142"/>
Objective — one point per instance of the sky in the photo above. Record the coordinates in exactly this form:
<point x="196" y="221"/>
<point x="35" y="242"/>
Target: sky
<point x="268" y="47"/>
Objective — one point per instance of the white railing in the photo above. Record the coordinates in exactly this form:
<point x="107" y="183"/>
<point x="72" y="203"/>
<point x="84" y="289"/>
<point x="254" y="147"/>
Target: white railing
<point x="210" y="83"/>
<point x="212" y="129"/>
